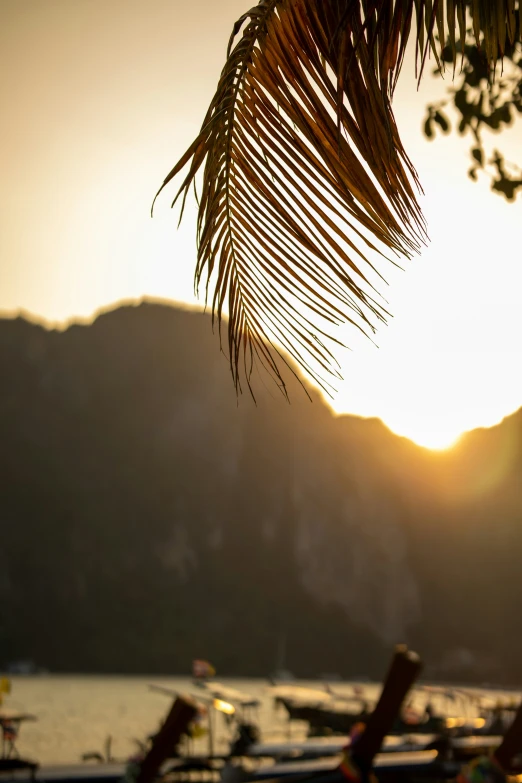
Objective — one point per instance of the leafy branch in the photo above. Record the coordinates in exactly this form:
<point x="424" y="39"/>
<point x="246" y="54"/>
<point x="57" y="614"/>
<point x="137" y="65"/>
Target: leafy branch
<point x="483" y="104"/>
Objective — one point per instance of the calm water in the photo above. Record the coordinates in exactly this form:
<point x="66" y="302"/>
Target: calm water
<point x="76" y="714"/>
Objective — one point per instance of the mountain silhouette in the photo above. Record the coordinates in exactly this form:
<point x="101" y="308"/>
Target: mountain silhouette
<point x="148" y="517"/>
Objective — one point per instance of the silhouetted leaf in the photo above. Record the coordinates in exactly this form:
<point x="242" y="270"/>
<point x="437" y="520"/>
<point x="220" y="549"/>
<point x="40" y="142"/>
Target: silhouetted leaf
<point x="428" y="128"/>
<point x="507" y="187"/>
<point x="441" y="120"/>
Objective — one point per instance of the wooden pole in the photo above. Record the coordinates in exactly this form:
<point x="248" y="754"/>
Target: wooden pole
<point x="404" y="670"/>
<point x="511" y="745"/>
<point x="183" y="711"/>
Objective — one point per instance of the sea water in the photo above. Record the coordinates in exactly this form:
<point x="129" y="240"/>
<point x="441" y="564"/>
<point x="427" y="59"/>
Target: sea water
<point x="76" y="714"/>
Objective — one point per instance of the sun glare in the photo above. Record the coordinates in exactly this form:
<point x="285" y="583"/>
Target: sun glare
<point x="436" y="438"/>
<point x="425" y="418"/>
<point x="435" y="427"/>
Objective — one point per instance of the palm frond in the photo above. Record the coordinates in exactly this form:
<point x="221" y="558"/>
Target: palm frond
<point x="304" y="171"/>
<point x="494" y="24"/>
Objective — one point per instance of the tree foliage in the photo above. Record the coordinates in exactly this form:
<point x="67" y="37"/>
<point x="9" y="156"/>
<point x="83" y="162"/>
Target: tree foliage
<point x="482" y="103"/>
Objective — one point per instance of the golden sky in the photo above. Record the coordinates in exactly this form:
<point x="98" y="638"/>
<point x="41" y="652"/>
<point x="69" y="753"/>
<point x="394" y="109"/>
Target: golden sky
<point x="99" y="99"/>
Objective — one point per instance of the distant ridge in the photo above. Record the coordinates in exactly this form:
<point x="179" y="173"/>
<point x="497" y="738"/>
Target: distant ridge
<point x="147" y="518"/>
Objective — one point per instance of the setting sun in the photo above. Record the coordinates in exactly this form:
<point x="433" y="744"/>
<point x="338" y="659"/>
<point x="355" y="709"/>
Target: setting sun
<point x="437" y="439"/>
<point x="426" y="425"/>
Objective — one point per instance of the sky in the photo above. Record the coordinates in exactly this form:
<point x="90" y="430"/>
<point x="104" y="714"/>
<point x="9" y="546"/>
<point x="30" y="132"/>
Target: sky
<point x="101" y="97"/>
